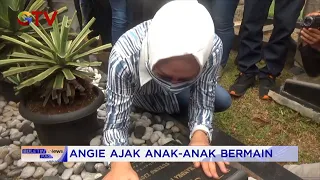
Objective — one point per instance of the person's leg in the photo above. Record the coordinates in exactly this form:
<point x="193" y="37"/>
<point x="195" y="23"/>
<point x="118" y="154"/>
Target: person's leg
<point x="86" y="8"/>
<point x="119" y="18"/>
<point x="222" y="100"/>
<point x="223" y="15"/>
<point x="285" y="18"/>
<point x="101" y="11"/>
<point x="254" y="17"/>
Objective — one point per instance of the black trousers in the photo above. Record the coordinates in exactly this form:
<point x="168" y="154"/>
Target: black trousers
<point x="143" y="10"/>
<point x="251" y="35"/>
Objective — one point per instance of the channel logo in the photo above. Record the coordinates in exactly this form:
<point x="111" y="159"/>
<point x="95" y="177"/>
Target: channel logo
<point x="25" y="18"/>
<point x="44" y="153"/>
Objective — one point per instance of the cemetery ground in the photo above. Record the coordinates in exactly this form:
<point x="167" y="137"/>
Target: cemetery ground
<point x="258" y="122"/>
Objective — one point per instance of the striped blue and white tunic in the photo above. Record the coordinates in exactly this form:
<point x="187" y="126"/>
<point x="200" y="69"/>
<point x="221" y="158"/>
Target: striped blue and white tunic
<point x="123" y="89"/>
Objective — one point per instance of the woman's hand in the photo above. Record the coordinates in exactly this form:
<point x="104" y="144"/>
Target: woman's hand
<point x="201" y="139"/>
<point x="121" y="171"/>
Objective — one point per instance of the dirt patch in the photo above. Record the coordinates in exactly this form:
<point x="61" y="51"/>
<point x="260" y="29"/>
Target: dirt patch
<point x="35" y="104"/>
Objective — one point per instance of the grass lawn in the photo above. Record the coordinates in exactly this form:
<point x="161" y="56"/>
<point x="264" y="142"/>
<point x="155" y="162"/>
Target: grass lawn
<point x="258" y="122"/>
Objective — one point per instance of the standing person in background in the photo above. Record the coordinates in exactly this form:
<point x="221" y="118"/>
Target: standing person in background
<point x="250" y="49"/>
<point x="101" y="11"/>
<point x="223" y="14"/>
<point x="119" y="18"/>
<point x="86" y="8"/>
<point x="310" y="49"/>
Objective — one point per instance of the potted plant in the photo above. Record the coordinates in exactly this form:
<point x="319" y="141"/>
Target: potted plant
<point x="9" y="10"/>
<point x="56" y="96"/>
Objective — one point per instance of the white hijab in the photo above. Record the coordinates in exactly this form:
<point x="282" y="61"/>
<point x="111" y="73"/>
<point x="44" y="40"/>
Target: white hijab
<point x="180" y="27"/>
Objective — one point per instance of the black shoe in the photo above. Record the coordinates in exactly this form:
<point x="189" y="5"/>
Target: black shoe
<point x="266" y="84"/>
<point x="242" y="83"/>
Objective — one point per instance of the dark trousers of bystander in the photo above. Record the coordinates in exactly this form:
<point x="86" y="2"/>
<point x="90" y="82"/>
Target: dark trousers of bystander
<point x="251" y="35"/>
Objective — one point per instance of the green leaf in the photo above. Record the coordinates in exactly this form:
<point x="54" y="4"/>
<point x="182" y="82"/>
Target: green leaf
<point x="2" y="45"/>
<point x="34" y="42"/>
<point x="43" y="34"/>
<point x="68" y="90"/>
<point x="14" y="80"/>
<point x="83" y="64"/>
<point x="30" y="4"/>
<point x="60" y="10"/>
<point x="97" y="49"/>
<point x="36" y="5"/>
<point x="12" y="16"/>
<point x="29" y="56"/>
<point x="38" y="78"/>
<point x="27" y="37"/>
<point x="18" y="77"/>
<point x="59" y="81"/>
<point x="65" y="98"/>
<point x="81" y="35"/>
<point x="4" y="6"/>
<point x="64" y="36"/>
<point x="56" y="34"/>
<point x="82" y="75"/>
<point x="13" y="61"/>
<point x="84" y="46"/>
<point x="68" y="74"/>
<point x="16" y="70"/>
<point x="25" y="45"/>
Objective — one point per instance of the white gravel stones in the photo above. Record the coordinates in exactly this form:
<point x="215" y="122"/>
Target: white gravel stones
<point x="21" y="164"/>
<point x="67" y="173"/>
<point x="50" y="172"/>
<point x="3" y="166"/>
<point x="27" y="172"/>
<point x="148" y="133"/>
<point x="78" y="168"/>
<point x="87" y="175"/>
<point x="39" y="172"/>
<point x="169" y="124"/>
<point x="143" y="121"/>
<point x="100" y="168"/>
<point x="16" y="136"/>
<point x="157" y="131"/>
<point x="45" y="165"/>
<point x="28" y="139"/>
<point x="75" y="177"/>
<point x="96" y="141"/>
<point x="158" y="127"/>
<point x="175" y="129"/>
<point x="136" y="141"/>
<point x="15" y="131"/>
<point x="99" y="79"/>
<point x="155" y="137"/>
<point x="68" y="164"/>
<point x="15" y="154"/>
<point x="3" y="152"/>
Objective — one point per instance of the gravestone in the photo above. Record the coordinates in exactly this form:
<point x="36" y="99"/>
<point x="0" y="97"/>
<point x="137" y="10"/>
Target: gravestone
<point x="181" y="170"/>
<point x="175" y="171"/>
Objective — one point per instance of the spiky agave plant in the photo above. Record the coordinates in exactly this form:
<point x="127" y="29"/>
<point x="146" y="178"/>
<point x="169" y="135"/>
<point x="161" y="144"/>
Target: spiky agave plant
<point x="52" y="66"/>
<point x="9" y="10"/>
